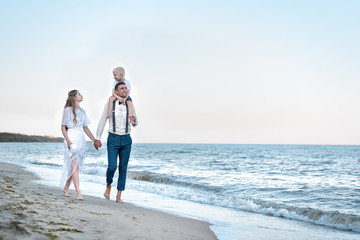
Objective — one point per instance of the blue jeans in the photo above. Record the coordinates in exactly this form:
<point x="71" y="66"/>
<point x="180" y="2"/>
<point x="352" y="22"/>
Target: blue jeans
<point x="118" y="145"/>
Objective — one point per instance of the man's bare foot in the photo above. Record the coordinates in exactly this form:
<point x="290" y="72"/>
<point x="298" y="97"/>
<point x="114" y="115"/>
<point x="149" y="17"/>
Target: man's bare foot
<point x="66" y="193"/>
<point x="118" y="197"/>
<point x="107" y="196"/>
<point x="107" y="192"/>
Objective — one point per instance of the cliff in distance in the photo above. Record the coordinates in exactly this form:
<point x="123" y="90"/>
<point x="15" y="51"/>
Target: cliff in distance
<point x="17" y="137"/>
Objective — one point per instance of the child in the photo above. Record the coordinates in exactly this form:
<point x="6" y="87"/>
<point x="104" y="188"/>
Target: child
<point x="119" y="74"/>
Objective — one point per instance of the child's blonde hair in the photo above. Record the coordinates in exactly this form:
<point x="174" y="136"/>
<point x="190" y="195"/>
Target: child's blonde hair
<point x="119" y="69"/>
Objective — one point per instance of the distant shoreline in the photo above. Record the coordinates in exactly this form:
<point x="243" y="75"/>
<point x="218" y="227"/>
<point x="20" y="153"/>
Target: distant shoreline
<point x="18" y="137"/>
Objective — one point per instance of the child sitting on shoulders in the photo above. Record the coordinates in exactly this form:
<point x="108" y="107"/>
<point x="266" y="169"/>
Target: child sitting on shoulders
<point x="119" y="76"/>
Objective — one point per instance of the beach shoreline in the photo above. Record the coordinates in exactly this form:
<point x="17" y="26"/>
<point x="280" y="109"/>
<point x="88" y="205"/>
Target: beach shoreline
<point x="34" y="211"/>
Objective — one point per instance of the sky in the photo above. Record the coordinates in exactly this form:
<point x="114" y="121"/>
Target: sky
<point x="237" y="72"/>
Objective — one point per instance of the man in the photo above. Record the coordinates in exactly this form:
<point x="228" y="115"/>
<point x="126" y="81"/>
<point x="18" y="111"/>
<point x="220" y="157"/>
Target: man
<point x="118" y="142"/>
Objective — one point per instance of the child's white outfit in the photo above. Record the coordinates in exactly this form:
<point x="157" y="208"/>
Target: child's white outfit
<point x="127" y="84"/>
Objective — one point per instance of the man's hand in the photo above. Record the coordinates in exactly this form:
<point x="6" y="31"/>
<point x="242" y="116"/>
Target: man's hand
<point x="97" y="144"/>
<point x="133" y="120"/>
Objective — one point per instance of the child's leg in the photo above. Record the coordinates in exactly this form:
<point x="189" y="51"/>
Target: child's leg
<point x="110" y="106"/>
<point x="131" y="112"/>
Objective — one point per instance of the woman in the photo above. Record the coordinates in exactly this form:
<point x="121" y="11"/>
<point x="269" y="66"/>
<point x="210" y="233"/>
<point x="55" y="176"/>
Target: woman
<point x="74" y="124"/>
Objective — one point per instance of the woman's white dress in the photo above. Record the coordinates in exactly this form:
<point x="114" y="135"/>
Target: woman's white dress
<point x="76" y="155"/>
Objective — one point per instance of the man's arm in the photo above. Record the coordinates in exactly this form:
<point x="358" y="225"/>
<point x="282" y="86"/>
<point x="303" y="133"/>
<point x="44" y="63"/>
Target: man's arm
<point x="136" y="121"/>
<point x="102" y="122"/>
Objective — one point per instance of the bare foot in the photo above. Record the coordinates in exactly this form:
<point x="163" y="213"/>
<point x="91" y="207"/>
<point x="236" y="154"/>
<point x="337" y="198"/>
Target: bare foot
<point x="79" y="197"/>
<point x="66" y="193"/>
<point x="107" y="192"/>
<point x="118" y="197"/>
<point x="107" y="196"/>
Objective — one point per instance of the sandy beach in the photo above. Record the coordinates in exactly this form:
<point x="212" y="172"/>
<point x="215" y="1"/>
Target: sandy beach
<point x="33" y="211"/>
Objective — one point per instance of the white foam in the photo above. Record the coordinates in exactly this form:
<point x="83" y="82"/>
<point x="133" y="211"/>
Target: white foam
<point x="228" y="224"/>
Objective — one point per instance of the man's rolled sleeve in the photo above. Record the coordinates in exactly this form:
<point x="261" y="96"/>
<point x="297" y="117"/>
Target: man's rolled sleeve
<point x="102" y="122"/>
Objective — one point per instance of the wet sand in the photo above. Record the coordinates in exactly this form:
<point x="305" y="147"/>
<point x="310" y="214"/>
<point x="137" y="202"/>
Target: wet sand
<point x="32" y="211"/>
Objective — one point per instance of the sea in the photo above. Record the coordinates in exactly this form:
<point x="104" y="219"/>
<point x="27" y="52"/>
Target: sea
<point x="244" y="191"/>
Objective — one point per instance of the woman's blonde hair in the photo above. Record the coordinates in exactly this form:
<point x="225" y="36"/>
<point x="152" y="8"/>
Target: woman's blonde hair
<point x="70" y="102"/>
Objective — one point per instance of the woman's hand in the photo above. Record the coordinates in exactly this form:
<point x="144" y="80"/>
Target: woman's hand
<point x="69" y="144"/>
<point x="97" y="144"/>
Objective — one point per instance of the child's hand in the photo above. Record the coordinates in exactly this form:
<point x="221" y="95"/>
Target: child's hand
<point x="112" y="98"/>
<point x="122" y="100"/>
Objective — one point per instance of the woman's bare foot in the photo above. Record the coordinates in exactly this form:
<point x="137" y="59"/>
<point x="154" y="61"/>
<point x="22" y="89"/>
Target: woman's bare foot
<point x="79" y="197"/>
<point x="66" y="193"/>
<point x="107" y="192"/>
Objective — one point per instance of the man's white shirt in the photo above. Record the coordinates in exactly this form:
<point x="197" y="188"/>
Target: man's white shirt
<point x="120" y="120"/>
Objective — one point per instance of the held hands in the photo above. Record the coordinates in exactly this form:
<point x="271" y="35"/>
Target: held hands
<point x="97" y="144"/>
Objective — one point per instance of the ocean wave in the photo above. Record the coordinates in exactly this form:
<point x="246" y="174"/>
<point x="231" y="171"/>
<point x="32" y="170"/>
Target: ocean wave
<point x="153" y="177"/>
<point x="215" y="196"/>
<point x="93" y="171"/>
<point x="333" y="219"/>
<point x="46" y="164"/>
<point x="212" y="195"/>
